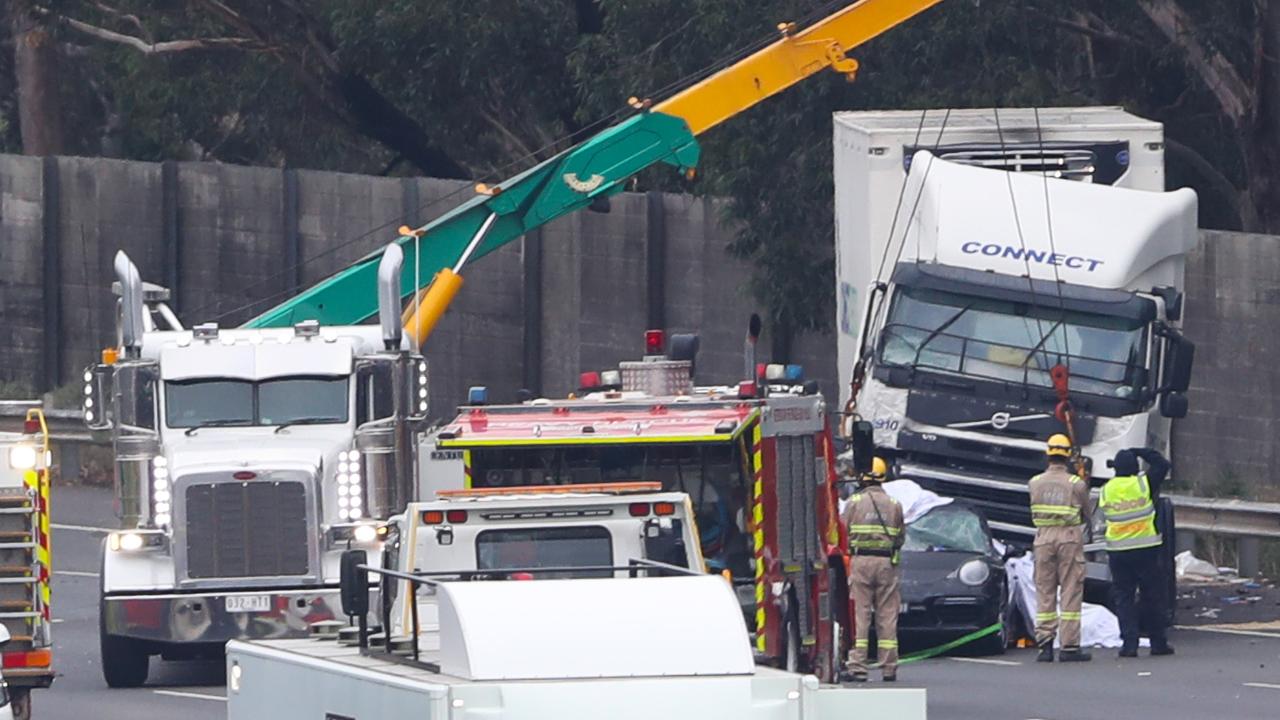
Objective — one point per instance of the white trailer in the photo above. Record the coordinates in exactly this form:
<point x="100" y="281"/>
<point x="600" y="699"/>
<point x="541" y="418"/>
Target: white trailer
<point x="541" y="603"/>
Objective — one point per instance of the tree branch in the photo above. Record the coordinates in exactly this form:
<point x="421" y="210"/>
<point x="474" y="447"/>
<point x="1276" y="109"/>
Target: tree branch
<point x="1216" y="72"/>
<point x="156" y="48"/>
<point x="1222" y="185"/>
<point x="126" y="17"/>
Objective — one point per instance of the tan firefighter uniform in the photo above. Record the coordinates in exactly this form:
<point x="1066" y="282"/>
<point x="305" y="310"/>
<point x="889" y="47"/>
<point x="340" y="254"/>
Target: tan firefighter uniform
<point x="1059" y="507"/>
<point x="875" y="527"/>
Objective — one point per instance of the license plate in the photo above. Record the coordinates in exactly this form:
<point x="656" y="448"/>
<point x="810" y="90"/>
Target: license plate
<point x="248" y="603"/>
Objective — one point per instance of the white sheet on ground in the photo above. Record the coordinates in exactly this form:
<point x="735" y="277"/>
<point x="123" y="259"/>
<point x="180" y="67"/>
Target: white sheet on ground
<point x="1188" y="565"/>
<point x="1099" y="627"/>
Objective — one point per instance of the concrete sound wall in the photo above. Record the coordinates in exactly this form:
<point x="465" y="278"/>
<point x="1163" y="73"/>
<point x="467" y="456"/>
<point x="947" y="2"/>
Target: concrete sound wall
<point x="231" y="241"/>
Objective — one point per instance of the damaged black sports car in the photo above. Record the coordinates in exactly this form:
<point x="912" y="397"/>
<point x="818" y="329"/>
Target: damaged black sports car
<point x="953" y="581"/>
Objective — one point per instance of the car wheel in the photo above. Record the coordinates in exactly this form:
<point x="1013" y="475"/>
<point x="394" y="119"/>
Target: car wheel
<point x="125" y="661"/>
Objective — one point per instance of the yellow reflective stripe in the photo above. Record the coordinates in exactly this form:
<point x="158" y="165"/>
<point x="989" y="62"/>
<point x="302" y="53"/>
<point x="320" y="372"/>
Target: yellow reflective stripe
<point x="1069" y="615"/>
<point x="871" y="544"/>
<point x="1135" y="543"/>
<point x="1139" y="514"/>
<point x="861" y="643"/>
<point x="1055" y="509"/>
<point x="875" y="529"/>
<point x="886" y="643"/>
<point x="594" y="440"/>
<point x="1046" y="616"/>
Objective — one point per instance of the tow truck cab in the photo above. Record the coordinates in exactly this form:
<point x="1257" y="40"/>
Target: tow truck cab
<point x="755" y="458"/>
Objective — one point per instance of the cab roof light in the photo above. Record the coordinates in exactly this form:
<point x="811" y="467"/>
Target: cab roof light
<point x="655" y="342"/>
<point x="725" y="427"/>
<point x="456" y="516"/>
<point x="478" y="395"/>
<point x="433" y="517"/>
<point x="795" y="374"/>
<point x="638" y="509"/>
<point x="746" y="389"/>
<point x="611" y="379"/>
<point x="205" y="331"/>
<point x="31" y="426"/>
<point x="307" y="328"/>
<point x="589" y="380"/>
<point x="775" y="372"/>
<point x="663" y="509"/>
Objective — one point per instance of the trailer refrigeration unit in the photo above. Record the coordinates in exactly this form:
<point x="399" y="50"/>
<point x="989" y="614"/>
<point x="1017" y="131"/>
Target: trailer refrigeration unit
<point x="1027" y="279"/>
<point x="245" y="462"/>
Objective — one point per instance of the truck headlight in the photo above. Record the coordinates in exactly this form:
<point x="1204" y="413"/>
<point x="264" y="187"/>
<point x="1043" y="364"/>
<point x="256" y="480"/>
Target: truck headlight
<point x="974" y="572"/>
<point x="22" y="457"/>
<point x="134" y="541"/>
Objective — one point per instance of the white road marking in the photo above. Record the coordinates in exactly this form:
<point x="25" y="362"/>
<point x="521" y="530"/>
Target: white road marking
<point x="1229" y="631"/>
<point x="75" y="573"/>
<point x="81" y="528"/>
<point x="985" y="661"/>
<point x="1269" y="686"/>
<point x="198" y="696"/>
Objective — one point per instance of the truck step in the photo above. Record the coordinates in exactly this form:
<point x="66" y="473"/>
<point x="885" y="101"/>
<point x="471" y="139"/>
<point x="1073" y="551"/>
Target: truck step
<point x="16" y="545"/>
<point x="14" y="570"/>
<point x="20" y="605"/>
<point x="20" y="510"/>
<point x="18" y="615"/>
<point x="15" y="535"/>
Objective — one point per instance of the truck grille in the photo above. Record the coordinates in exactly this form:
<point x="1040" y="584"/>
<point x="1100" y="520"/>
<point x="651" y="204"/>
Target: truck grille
<point x="256" y="529"/>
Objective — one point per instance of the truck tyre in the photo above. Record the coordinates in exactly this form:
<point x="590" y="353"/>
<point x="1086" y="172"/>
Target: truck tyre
<point x="20" y="704"/>
<point x="125" y="661"/>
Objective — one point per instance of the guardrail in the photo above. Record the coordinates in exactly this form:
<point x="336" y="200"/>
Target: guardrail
<point x="1235" y="518"/>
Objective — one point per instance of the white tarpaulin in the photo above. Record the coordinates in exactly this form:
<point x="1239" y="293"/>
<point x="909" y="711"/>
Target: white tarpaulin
<point x="1098" y="625"/>
<point x="915" y="500"/>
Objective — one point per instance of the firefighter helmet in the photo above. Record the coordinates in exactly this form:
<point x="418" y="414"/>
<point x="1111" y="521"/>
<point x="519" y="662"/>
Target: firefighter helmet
<point x="879" y="469"/>
<point x="1059" y="445"/>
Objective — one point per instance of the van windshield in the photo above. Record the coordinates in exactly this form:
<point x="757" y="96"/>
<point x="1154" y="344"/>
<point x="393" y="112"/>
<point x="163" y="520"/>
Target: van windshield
<point x="1014" y="341"/>
<point x="278" y="401"/>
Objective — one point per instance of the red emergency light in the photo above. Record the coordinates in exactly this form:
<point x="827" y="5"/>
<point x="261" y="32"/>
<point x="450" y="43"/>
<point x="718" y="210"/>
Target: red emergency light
<point x="31" y="426"/>
<point x="589" y="380"/>
<point x="655" y="341"/>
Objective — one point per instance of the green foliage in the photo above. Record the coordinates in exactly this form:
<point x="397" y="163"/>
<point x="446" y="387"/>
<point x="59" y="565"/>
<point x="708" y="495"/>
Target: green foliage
<point x="499" y="84"/>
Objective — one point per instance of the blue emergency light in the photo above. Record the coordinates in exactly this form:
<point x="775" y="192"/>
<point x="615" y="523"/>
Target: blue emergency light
<point x="795" y="373"/>
<point x="478" y="395"/>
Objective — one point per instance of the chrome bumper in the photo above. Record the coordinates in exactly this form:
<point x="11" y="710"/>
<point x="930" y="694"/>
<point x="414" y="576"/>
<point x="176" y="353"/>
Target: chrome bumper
<point x="203" y="618"/>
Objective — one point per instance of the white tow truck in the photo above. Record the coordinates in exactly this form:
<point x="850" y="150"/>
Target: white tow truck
<point x="1004" y="276"/>
<point x="550" y="602"/>
<point x="246" y="461"/>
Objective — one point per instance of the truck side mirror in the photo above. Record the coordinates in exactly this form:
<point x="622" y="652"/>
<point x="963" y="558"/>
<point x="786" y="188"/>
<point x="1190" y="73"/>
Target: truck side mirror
<point x="864" y="446"/>
<point x="1173" y="405"/>
<point x="354" y="583"/>
<point x="1179" y="357"/>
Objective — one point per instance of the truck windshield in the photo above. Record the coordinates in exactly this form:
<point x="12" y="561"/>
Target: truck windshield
<point x="553" y="547"/>
<point x="226" y="402"/>
<point x="1013" y="341"/>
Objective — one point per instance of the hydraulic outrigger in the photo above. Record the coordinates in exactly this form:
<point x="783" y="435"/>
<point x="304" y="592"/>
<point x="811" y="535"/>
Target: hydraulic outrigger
<point x="662" y="132"/>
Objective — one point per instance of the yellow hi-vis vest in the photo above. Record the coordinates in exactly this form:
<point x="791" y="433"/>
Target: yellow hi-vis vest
<point x="1131" y="515"/>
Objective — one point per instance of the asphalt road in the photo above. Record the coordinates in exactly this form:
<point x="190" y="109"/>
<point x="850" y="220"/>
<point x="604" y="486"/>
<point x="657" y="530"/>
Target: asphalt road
<point x="1214" y="674"/>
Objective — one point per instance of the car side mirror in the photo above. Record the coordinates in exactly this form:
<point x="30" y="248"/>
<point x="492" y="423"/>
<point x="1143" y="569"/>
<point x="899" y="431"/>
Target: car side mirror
<point x="354" y="583"/>
<point x="1179" y="357"/>
<point x="863" y="443"/>
<point x="1173" y="405"/>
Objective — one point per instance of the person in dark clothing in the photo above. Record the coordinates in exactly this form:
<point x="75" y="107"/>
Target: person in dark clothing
<point x="1133" y="548"/>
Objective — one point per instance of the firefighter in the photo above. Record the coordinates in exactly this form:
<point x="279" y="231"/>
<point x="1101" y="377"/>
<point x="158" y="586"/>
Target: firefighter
<point x="1133" y="548"/>
<point x="875" y="527"/>
<point x="1059" y="506"/>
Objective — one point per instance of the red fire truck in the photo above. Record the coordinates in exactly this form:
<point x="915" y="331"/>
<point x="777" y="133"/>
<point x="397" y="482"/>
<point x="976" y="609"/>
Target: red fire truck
<point x="756" y="458"/>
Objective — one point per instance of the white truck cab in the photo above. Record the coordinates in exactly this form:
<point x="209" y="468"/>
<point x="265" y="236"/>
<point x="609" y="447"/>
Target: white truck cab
<point x="246" y="461"/>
